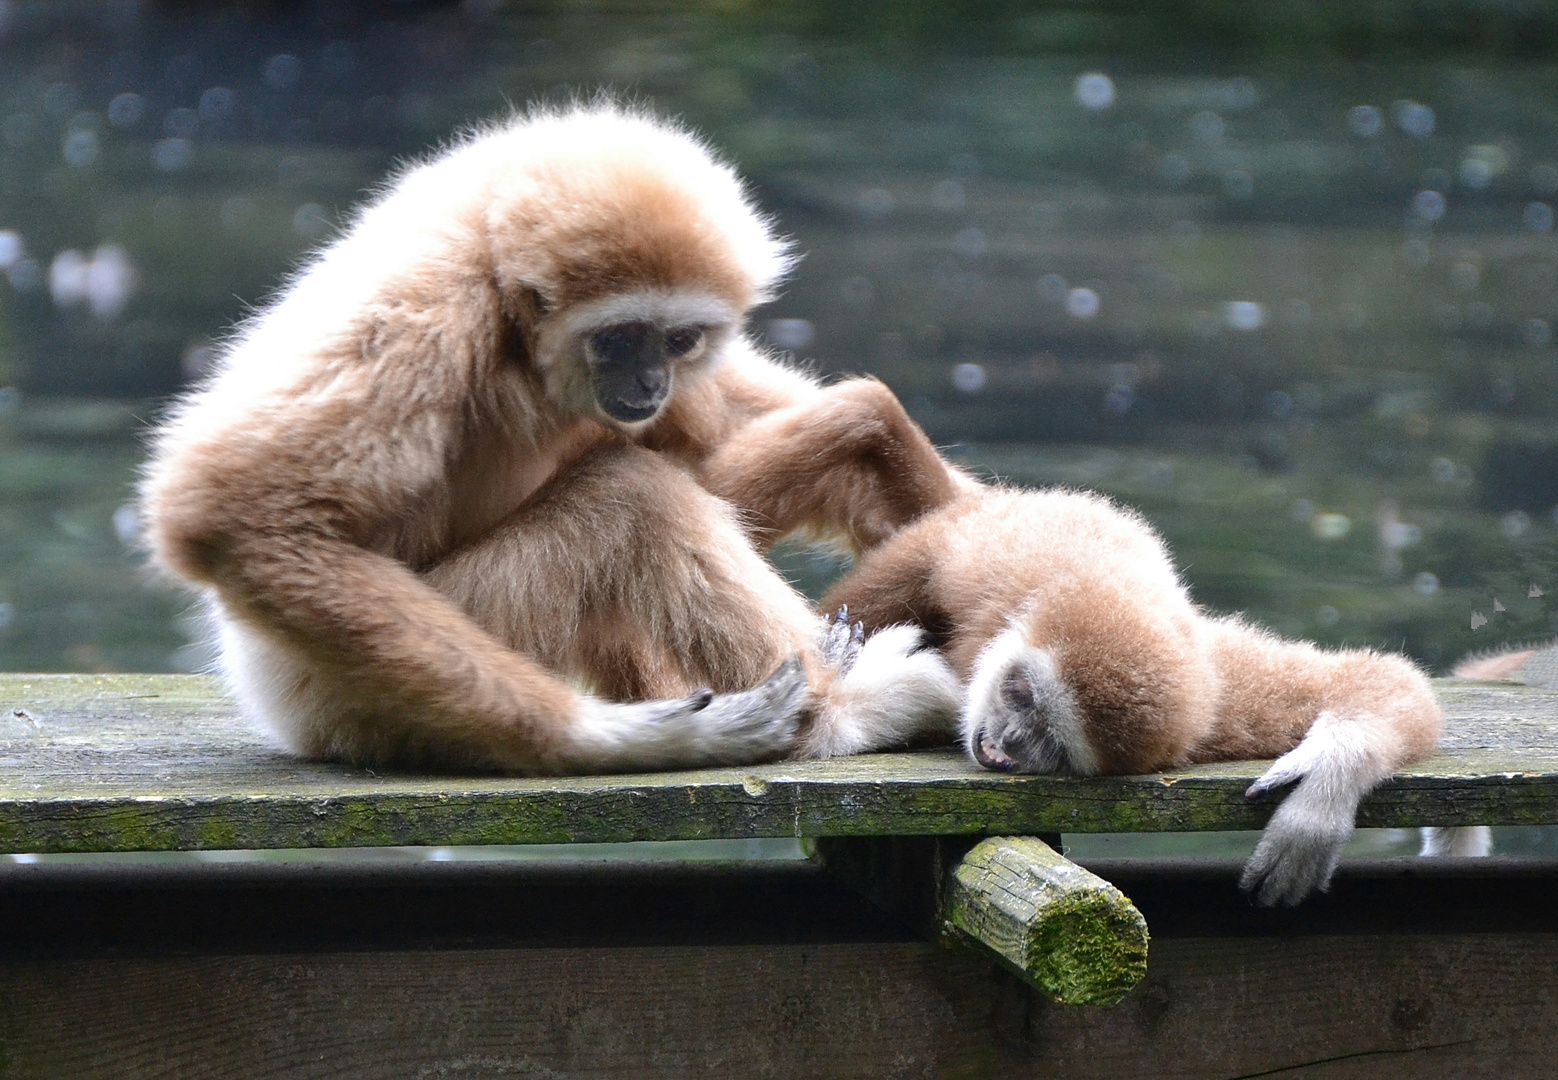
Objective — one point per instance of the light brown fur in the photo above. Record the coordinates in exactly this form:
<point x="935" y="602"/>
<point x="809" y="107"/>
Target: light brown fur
<point x="1495" y="665"/>
<point x="412" y="496"/>
<point x="1084" y="654"/>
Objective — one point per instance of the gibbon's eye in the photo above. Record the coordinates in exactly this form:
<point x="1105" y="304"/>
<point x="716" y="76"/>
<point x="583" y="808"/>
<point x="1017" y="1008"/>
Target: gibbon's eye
<point x="683" y="340"/>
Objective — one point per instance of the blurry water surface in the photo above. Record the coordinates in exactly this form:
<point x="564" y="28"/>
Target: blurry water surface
<point x="1286" y="280"/>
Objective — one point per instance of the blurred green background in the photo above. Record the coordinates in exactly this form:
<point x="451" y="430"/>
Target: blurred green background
<point x="1283" y="276"/>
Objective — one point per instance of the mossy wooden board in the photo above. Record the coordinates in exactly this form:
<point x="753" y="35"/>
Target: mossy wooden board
<point x="162" y="762"/>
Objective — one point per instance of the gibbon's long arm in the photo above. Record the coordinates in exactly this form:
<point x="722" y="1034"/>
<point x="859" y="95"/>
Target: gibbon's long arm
<point x="1343" y="723"/>
<point x="280" y="540"/>
<point x="843" y="461"/>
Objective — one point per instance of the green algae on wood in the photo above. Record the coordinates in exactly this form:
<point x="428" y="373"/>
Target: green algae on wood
<point x="163" y="762"/>
<point x="1068" y="932"/>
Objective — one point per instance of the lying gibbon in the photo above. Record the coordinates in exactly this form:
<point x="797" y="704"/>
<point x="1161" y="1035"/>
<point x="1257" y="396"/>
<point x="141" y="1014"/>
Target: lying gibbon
<point x="454" y="497"/>
<point x="1084" y="654"/>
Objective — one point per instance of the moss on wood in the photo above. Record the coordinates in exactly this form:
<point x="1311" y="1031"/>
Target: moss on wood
<point x="1066" y="931"/>
<point x="162" y="762"/>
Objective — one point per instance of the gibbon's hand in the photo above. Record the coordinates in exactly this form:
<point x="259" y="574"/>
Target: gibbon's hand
<point x="1303" y="841"/>
<point x="840" y="641"/>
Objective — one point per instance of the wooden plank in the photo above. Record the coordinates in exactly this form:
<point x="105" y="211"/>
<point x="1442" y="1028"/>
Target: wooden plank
<point x="1067" y="932"/>
<point x="1366" y="1007"/>
<point x="148" y="763"/>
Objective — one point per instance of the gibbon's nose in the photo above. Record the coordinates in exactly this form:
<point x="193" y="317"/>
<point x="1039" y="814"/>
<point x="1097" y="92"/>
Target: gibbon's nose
<point x="654" y="382"/>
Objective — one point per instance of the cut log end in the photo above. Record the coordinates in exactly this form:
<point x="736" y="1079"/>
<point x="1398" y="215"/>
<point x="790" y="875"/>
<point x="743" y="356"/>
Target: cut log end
<point x="1068" y="932"/>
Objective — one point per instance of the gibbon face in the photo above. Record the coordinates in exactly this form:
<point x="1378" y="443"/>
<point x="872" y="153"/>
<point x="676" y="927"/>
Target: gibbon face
<point x="630" y="257"/>
<point x="1024" y="718"/>
<point x="629" y="352"/>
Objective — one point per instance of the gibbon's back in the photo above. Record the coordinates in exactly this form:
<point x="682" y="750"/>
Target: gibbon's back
<point x="565" y="205"/>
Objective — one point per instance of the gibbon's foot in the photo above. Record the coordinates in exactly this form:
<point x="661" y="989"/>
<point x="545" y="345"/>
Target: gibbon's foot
<point x="840" y="641"/>
<point x="888" y="693"/>
<point x="1334" y="768"/>
<point x="699" y="730"/>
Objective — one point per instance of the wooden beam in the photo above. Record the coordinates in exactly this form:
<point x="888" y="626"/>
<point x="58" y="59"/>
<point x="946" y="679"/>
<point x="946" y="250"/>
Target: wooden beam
<point x="1381" y="1007"/>
<point x="1069" y="933"/>
<point x="163" y="762"/>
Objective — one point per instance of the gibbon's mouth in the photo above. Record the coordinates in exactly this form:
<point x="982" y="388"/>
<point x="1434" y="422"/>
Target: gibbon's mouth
<point x="1036" y="752"/>
<point x="630" y="396"/>
<point x="629" y="413"/>
<point x="991" y="756"/>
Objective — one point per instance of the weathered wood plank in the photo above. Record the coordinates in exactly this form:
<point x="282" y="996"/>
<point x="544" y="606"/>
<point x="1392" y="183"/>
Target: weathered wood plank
<point x="126" y="763"/>
<point x="1353" y="1006"/>
<point x="1068" y="932"/>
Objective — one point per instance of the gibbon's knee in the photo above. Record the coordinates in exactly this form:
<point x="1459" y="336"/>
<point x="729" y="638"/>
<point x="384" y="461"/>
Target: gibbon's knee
<point x="624" y="573"/>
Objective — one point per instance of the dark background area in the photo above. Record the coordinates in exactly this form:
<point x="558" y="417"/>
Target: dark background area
<point x="1282" y="276"/>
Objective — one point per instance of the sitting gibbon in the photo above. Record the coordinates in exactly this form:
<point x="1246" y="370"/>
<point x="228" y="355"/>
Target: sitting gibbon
<point x="462" y="494"/>
<point x="1083" y="654"/>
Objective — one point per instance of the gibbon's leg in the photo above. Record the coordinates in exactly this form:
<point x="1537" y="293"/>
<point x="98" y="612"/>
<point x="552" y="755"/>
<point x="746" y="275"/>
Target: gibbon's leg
<point x="847" y="462"/>
<point x="625" y="574"/>
<point x="318" y="703"/>
<point x="345" y="653"/>
<point x="1343" y="722"/>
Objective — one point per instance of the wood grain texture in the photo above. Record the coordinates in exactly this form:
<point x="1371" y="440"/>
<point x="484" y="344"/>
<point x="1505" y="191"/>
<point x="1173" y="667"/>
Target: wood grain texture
<point x="1069" y="933"/>
<point x="1332" y="1007"/>
<point x="147" y="763"/>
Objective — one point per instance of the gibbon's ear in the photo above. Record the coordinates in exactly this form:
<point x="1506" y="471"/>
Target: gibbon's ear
<point x="524" y="309"/>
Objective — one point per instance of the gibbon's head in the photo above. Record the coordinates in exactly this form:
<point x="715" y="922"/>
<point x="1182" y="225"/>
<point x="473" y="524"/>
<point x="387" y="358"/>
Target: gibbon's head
<point x="628" y="254"/>
<point x="1020" y="715"/>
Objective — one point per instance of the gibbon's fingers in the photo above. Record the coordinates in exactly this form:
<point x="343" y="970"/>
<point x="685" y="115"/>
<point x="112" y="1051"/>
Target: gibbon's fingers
<point x="839" y="641"/>
<point x="1299" y="850"/>
<point x="849" y="463"/>
<point x="1335" y="766"/>
<point x="891" y="694"/>
<point x="703" y="729"/>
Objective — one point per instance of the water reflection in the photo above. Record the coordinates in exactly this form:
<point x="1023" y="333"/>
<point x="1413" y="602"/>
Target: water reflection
<point x="1294" y="300"/>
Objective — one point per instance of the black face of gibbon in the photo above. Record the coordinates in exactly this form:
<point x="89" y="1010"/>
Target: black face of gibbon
<point x="1019" y="739"/>
<point x="631" y="364"/>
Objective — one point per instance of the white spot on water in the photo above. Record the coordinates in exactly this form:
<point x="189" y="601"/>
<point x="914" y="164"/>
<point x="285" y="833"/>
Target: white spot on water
<point x="1364" y="121"/>
<point x="1094" y="91"/>
<point x="1330" y="525"/>
<point x="1082" y="303"/>
<point x="1244" y="315"/>
<point x="969" y="378"/>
